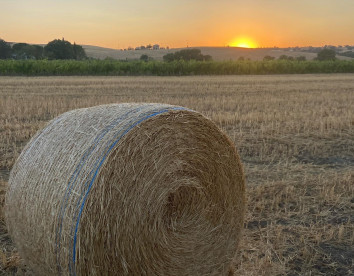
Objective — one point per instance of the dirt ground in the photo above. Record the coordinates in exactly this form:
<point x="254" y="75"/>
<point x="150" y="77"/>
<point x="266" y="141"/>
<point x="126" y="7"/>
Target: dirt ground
<point x="295" y="135"/>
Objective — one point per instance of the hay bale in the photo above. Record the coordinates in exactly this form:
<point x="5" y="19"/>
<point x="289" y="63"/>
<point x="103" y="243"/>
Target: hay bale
<point x="127" y="189"/>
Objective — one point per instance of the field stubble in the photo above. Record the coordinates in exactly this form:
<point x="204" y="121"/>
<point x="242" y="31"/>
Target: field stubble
<point x="295" y="135"/>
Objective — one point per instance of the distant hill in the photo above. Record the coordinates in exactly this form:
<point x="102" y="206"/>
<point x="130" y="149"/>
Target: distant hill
<point x="218" y="53"/>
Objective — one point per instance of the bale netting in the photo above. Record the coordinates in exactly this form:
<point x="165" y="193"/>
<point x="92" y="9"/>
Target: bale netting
<point x="127" y="189"/>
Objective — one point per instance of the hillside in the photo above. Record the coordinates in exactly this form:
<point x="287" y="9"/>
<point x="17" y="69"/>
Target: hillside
<point x="218" y="53"/>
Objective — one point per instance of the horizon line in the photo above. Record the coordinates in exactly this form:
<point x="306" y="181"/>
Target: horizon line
<point x="226" y="46"/>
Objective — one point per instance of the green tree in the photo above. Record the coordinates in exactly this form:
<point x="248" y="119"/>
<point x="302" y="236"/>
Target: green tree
<point x="144" y="58"/>
<point x="21" y="51"/>
<point x="26" y="51"/>
<point x="283" y="57"/>
<point x="208" y="58"/>
<point x="301" y="58"/>
<point x="326" y="54"/>
<point x="187" y="54"/>
<point x="19" y="46"/>
<point x="268" y="58"/>
<point x="79" y="52"/>
<point x="169" y="57"/>
<point x="5" y="49"/>
<point x="347" y="54"/>
<point x="59" y="49"/>
<point x="38" y="51"/>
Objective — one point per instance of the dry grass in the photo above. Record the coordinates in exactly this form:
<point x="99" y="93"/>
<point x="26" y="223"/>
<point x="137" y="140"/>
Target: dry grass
<point x="294" y="134"/>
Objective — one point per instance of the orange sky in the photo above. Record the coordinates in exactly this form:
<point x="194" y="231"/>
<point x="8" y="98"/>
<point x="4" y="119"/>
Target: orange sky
<point x="119" y="24"/>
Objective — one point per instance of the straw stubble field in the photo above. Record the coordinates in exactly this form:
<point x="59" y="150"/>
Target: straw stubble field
<point x="295" y="135"/>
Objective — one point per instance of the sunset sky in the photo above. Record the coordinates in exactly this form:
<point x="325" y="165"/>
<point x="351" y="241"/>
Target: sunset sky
<point x="178" y="23"/>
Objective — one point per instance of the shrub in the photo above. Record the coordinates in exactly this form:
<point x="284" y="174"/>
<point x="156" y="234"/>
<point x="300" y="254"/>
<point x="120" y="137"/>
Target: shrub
<point x="187" y="54"/>
<point x="5" y="49"/>
<point x="326" y="54"/>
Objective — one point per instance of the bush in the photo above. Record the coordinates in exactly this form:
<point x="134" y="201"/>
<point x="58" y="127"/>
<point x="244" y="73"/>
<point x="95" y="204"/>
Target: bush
<point x="5" y="49"/>
<point x="347" y="54"/>
<point x="26" y="51"/>
<point x="59" y="49"/>
<point x="300" y="58"/>
<point x="79" y="52"/>
<point x="169" y="57"/>
<point x="62" y="49"/>
<point x="268" y="58"/>
<point x="283" y="57"/>
<point x="187" y="54"/>
<point x="145" y="58"/>
<point x="326" y="54"/>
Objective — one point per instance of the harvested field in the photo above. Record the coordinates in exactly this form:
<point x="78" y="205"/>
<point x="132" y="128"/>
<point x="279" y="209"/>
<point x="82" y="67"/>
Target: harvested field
<point x="295" y="136"/>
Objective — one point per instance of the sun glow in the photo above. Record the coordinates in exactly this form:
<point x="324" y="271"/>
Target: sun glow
<point x="243" y="42"/>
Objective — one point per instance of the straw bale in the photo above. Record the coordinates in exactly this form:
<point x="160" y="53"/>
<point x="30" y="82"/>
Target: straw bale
<point x="127" y="189"/>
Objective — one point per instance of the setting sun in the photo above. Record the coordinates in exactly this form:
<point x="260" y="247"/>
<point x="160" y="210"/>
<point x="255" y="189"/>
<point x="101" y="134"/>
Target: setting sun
<point x="243" y="42"/>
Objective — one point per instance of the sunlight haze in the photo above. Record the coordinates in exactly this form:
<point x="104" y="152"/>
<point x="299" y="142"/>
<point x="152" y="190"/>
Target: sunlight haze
<point x="119" y="24"/>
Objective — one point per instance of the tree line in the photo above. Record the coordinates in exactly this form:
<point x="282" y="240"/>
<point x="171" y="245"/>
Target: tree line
<point x="59" y="49"/>
<point x="323" y="55"/>
<point x="55" y="49"/>
<point x="195" y="54"/>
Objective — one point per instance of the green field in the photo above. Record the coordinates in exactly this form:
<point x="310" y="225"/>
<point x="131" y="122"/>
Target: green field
<point x="176" y="68"/>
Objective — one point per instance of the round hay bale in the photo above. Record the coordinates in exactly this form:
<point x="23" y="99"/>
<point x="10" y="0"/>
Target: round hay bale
<point x="127" y="189"/>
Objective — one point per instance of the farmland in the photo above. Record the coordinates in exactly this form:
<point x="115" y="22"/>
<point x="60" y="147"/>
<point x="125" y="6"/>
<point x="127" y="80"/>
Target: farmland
<point x="218" y="53"/>
<point x="174" y="68"/>
<point x="294" y="134"/>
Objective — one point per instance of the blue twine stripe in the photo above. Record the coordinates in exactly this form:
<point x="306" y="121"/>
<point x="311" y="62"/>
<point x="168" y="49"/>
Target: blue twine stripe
<point x="75" y="175"/>
<point x="72" y="262"/>
<point x="95" y="164"/>
<point x="83" y="159"/>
